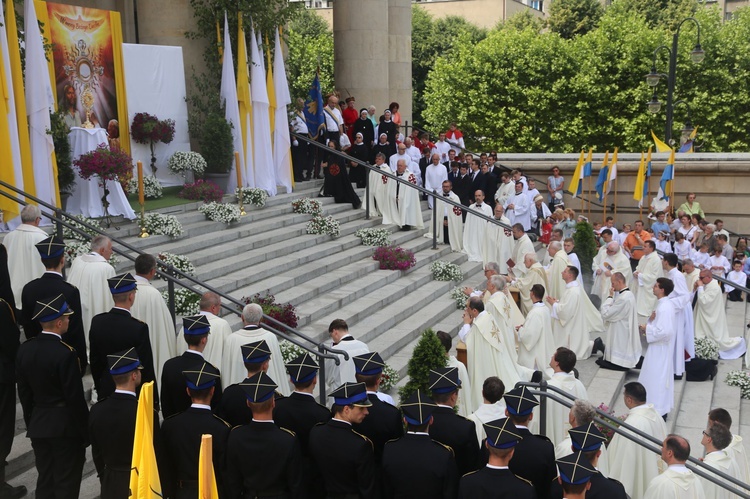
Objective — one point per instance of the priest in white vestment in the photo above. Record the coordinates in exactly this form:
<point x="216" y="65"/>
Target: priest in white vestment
<point x="711" y="318"/>
<point x="629" y="463"/>
<point x="404" y="200"/>
<point x="559" y="261"/>
<point x="657" y="371"/>
<point x="150" y="307"/>
<point x="498" y="241"/>
<point x="691" y="274"/>
<point x="622" y="339"/>
<point x="562" y="363"/>
<point x="518" y="208"/>
<point x="486" y="352"/>
<point x="464" y="402"/>
<point x="233" y="362"/>
<point x="505" y="190"/>
<point x="434" y="176"/>
<point x="475" y="227"/>
<point x="535" y="341"/>
<point x="609" y="260"/>
<point x="492" y="408"/>
<point x="677" y="481"/>
<point x="345" y="372"/>
<point x="574" y="317"/>
<point x="534" y="275"/>
<point x="716" y="438"/>
<point x="210" y="306"/>
<point x="681" y="297"/>
<point x="24" y="264"/>
<point x="89" y="273"/>
<point x="645" y="275"/>
<point x="449" y="219"/>
<point x="735" y="449"/>
<point x="521" y="248"/>
<point x="379" y="203"/>
<point x="499" y="307"/>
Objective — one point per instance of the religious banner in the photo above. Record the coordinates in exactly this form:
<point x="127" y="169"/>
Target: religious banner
<point x="86" y="67"/>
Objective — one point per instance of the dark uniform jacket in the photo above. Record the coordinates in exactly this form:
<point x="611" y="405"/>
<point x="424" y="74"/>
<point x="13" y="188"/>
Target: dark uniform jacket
<point x="111" y="428"/>
<point x="459" y="434"/>
<point x="534" y="460"/>
<point x="181" y="435"/>
<point x="113" y="332"/>
<point x="601" y="488"/>
<point x="418" y="466"/>
<point x="383" y="423"/>
<point x="233" y="407"/>
<point x="50" y="389"/>
<point x="263" y="460"/>
<point x="344" y="459"/>
<point x="299" y="413"/>
<point x="9" y="342"/>
<point x="53" y="284"/>
<point x="492" y="483"/>
<point x="173" y="394"/>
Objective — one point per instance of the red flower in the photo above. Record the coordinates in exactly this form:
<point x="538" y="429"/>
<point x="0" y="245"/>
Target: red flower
<point x="412" y="179"/>
<point x="457" y="211"/>
<point x="507" y="232"/>
<point x="385" y="179"/>
<point x="334" y="169"/>
<point x="108" y="165"/>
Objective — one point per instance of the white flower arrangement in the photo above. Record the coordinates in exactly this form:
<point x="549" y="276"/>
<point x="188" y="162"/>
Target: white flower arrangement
<point x="253" y="196"/>
<point x="374" y="237"/>
<point x="221" y="212"/>
<point x="446" y="271"/>
<point x="151" y="187"/>
<point x="289" y="351"/>
<point x="324" y="225"/>
<point x="185" y="301"/>
<point x="741" y="379"/>
<point x="182" y="161"/>
<point x="458" y="295"/>
<point x="69" y="234"/>
<point x="179" y="262"/>
<point x="75" y="248"/>
<point x="167" y="225"/>
<point x="307" y="205"/>
<point x="706" y="348"/>
<point x="389" y="379"/>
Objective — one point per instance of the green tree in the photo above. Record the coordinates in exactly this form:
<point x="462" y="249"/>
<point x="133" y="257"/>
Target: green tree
<point x="657" y="13"/>
<point x="570" y="18"/>
<point x="521" y="21"/>
<point x="428" y="354"/>
<point x="310" y="43"/>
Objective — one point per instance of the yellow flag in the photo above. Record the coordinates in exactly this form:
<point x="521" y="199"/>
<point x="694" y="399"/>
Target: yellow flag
<point x="271" y="91"/>
<point x="660" y="146"/>
<point x="207" y="488"/>
<point x="144" y="472"/>
<point x="243" y="88"/>
<point x="574" y="183"/>
<point x="640" y="180"/>
<point x="7" y="174"/>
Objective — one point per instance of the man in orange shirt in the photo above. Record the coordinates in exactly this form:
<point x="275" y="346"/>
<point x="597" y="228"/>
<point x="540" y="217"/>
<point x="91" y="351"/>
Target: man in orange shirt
<point x="634" y="243"/>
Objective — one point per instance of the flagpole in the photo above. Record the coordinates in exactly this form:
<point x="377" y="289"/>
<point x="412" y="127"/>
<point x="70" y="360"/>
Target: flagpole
<point x="588" y="196"/>
<point x="671" y="194"/>
<point x="615" y="199"/>
<point x="604" y="208"/>
<point x="649" y="191"/>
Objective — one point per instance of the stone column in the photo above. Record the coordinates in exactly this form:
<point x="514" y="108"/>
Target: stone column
<point x="361" y="50"/>
<point x="399" y="59"/>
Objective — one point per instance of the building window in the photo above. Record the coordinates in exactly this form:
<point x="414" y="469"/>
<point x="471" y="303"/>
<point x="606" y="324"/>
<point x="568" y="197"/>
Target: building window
<point x="536" y="4"/>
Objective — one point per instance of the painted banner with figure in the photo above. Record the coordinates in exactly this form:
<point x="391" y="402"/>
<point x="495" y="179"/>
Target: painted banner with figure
<point x="86" y="68"/>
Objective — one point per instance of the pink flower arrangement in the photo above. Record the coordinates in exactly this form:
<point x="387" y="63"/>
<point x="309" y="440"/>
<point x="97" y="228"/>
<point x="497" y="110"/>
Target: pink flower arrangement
<point x="282" y="312"/>
<point x="394" y="258"/>
<point x="104" y="163"/>
<point x="147" y="129"/>
<point x="202" y="190"/>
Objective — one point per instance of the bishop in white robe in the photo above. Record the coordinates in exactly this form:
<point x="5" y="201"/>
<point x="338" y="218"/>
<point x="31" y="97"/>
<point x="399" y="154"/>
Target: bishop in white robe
<point x="518" y="208"/>
<point x="622" y="339"/>
<point x="521" y="248"/>
<point x="434" y="176"/>
<point x="405" y="205"/>
<point x="657" y="371"/>
<point x="535" y="342"/>
<point x="558" y="263"/>
<point x="448" y="216"/>
<point x="476" y="227"/>
<point x="534" y="275"/>
<point x="574" y="317"/>
<point x="24" y="264"/>
<point x="498" y="241"/>
<point x="711" y="318"/>
<point x="609" y="260"/>
<point x="498" y="306"/>
<point x="89" y="273"/>
<point x="378" y="182"/>
<point x="645" y="275"/>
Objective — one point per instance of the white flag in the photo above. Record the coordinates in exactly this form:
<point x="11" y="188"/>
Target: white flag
<point x="281" y="143"/>
<point x="262" y="153"/>
<point x="229" y="96"/>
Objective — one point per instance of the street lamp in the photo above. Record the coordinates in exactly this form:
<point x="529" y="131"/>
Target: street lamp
<point x="652" y="79"/>
<point x="687" y="129"/>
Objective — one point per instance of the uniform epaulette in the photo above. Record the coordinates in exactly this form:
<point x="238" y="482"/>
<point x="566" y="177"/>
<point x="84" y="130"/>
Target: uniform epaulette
<point x="142" y="322"/>
<point x="288" y="431"/>
<point x="172" y="415"/>
<point x="469" y="473"/>
<point x="393" y="440"/>
<point x="322" y="423"/>
<point x="447" y="447"/>
<point x="278" y="395"/>
<point x="367" y="439"/>
<point x="526" y="481"/>
<point x="618" y="482"/>
<point x="70" y="347"/>
<point x="542" y="437"/>
<point x="217" y="417"/>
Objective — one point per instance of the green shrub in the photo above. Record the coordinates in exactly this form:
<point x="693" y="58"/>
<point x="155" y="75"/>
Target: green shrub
<point x="428" y="354"/>
<point x="585" y="245"/>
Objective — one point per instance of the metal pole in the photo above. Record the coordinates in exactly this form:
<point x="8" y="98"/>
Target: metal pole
<point x="367" y="194"/>
<point x="434" y="222"/>
<point x="59" y="230"/>
<point x="543" y="410"/>
<point x="670" y="89"/>
<point x="170" y="302"/>
<point x="322" y="376"/>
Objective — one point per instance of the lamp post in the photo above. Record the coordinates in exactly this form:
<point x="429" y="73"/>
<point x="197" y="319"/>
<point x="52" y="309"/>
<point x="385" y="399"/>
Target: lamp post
<point x="652" y="79"/>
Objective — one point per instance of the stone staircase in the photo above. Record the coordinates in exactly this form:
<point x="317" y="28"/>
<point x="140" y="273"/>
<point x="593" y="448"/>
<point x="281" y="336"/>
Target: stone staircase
<point x="325" y="278"/>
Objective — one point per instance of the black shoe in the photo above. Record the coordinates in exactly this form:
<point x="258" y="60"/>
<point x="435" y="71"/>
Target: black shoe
<point x="598" y="346"/>
<point x="7" y="491"/>
<point x="406" y="228"/>
<point x="677" y="377"/>
<point x="536" y="377"/>
<point x="639" y="364"/>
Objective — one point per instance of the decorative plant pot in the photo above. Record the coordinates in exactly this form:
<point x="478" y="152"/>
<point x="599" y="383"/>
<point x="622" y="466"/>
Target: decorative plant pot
<point x="220" y="179"/>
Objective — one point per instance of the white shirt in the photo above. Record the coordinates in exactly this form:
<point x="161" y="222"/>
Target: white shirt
<point x="332" y="125"/>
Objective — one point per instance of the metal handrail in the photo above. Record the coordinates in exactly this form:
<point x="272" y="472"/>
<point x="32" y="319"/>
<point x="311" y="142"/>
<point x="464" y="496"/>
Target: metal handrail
<point x="653" y="444"/>
<point x="56" y="214"/>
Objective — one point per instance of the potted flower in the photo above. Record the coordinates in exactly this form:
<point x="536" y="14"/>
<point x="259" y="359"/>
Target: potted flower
<point x="188" y="164"/>
<point x="105" y="164"/>
<point x="216" y="145"/>
<point x="148" y="129"/>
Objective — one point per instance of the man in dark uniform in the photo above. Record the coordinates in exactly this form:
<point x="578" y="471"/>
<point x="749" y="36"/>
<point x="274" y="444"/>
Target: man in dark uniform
<point x="9" y="341"/>
<point x="233" y="406"/>
<point x="588" y="440"/>
<point x="416" y="465"/>
<point x="117" y="330"/>
<point x="383" y="421"/>
<point x="112" y="426"/>
<point x="174" y="397"/>
<point x="575" y="475"/>
<point x="496" y="481"/>
<point x="182" y="434"/>
<point x="344" y="458"/>
<point x="449" y="428"/>
<point x="253" y="471"/>
<point x="54" y="408"/>
<point x="52" y="251"/>
<point x="534" y="456"/>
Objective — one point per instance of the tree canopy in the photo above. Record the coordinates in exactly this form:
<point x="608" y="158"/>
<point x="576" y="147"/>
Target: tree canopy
<point x="569" y="18"/>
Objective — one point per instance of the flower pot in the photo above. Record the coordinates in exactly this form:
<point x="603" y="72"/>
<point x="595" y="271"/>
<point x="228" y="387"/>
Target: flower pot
<point x="189" y="176"/>
<point x="220" y="179"/>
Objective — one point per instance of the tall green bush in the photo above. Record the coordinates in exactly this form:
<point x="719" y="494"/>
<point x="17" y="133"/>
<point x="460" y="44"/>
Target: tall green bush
<point x="585" y="245"/>
<point x="428" y="354"/>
